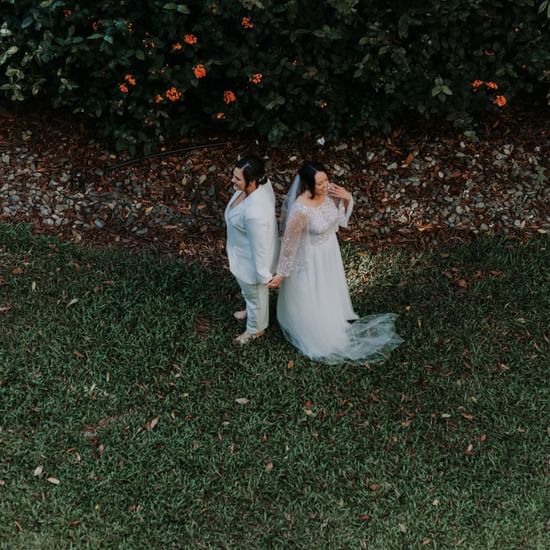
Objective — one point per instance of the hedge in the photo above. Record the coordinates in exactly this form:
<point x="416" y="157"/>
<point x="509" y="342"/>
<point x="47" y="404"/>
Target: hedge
<point x="152" y="70"/>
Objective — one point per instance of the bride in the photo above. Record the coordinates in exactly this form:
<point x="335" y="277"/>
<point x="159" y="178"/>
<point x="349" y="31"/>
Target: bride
<point x="314" y="309"/>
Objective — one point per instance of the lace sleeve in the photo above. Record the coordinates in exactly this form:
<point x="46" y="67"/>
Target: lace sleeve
<point x="293" y="238"/>
<point x="344" y="213"/>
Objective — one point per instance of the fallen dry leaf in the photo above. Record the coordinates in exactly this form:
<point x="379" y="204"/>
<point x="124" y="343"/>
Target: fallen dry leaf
<point x="54" y="480"/>
<point x="72" y="302"/>
<point x="269" y="466"/>
<point x="421" y="228"/>
<point x="38" y="471"/>
<point x="242" y="401"/>
<point x="17" y="271"/>
<point x="152" y="423"/>
<point x="290" y="364"/>
<point x="461" y="283"/>
<point x="408" y="160"/>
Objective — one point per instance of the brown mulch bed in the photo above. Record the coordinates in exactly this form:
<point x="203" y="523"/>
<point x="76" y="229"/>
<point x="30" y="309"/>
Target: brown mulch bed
<point x="193" y="188"/>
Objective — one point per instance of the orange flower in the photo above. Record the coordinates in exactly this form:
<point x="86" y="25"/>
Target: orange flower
<point x="247" y="23"/>
<point x="323" y="104"/>
<point x="159" y="98"/>
<point x="199" y="71"/>
<point x="67" y="13"/>
<point x="229" y="97"/>
<point x="96" y="25"/>
<point x="129" y="26"/>
<point x="130" y="79"/>
<point x="501" y="100"/>
<point x="491" y="85"/>
<point x="190" y="39"/>
<point x="219" y="116"/>
<point x="173" y="94"/>
<point x="176" y="46"/>
<point x="256" y="78"/>
<point x="476" y="84"/>
<point x="123" y="88"/>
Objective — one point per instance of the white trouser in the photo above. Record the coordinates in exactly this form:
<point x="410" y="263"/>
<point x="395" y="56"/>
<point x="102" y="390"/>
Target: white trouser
<point x="257" y="305"/>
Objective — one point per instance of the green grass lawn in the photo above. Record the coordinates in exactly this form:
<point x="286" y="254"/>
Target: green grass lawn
<point x="119" y="425"/>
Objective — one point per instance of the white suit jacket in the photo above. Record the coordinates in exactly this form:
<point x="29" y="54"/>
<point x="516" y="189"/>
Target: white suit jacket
<point x="252" y="236"/>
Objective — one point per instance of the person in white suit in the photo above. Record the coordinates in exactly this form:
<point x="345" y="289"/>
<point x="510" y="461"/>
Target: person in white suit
<point x="252" y="242"/>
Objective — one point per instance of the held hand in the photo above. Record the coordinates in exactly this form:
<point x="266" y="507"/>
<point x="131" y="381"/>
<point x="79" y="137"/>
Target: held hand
<point x="275" y="282"/>
<point x="338" y="192"/>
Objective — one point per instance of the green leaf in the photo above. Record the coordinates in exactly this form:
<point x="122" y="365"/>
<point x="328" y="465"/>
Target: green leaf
<point x="140" y="54"/>
<point x="27" y="22"/>
<point x="170" y="6"/>
<point x="182" y="8"/>
<point x="403" y="26"/>
<point x="277" y="100"/>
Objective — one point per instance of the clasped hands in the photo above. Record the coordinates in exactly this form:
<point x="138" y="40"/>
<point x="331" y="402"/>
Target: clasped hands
<point x="275" y="281"/>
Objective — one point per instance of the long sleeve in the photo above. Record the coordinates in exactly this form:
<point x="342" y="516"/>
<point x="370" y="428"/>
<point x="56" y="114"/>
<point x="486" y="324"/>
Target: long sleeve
<point x="259" y="234"/>
<point x="292" y="239"/>
<point x="345" y="213"/>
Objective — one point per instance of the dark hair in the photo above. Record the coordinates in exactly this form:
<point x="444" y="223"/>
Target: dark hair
<point x="253" y="169"/>
<point x="307" y="175"/>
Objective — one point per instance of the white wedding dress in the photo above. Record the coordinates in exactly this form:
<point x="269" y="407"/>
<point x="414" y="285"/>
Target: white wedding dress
<point x="314" y="307"/>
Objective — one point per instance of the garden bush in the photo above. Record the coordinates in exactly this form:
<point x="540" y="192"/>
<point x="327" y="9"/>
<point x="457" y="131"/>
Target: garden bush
<point x="152" y="70"/>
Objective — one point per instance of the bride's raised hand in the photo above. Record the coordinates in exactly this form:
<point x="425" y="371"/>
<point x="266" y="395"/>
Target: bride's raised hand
<point x="338" y="192"/>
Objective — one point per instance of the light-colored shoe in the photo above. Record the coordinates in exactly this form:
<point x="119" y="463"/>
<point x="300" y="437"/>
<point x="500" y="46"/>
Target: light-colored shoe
<point x="247" y="337"/>
<point x="240" y="315"/>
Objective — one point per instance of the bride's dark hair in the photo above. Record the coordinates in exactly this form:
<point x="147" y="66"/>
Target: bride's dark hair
<point x="253" y="169"/>
<point x="307" y="175"/>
